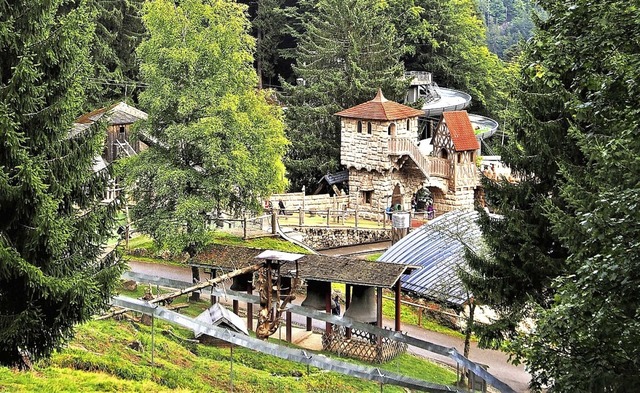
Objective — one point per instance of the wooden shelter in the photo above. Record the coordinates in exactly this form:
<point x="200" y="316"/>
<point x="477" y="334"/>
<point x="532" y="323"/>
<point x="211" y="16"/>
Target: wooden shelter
<point x="359" y="277"/>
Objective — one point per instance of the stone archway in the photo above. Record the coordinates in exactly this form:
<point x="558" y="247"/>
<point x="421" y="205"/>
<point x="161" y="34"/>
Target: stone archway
<point x="396" y="197"/>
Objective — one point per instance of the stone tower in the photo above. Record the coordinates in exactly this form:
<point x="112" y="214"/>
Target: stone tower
<point x="379" y="147"/>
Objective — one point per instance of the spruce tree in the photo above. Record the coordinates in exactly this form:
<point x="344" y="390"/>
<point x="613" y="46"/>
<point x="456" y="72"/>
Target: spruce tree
<point x="52" y="271"/>
<point x="348" y="49"/>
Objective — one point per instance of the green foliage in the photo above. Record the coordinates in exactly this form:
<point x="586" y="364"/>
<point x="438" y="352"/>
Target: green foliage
<point x="589" y="339"/>
<point x="448" y="39"/>
<point x="52" y="273"/>
<point x="100" y="359"/>
<point x="569" y="237"/>
<point x="508" y="22"/>
<point x="118" y="31"/>
<point x="221" y="143"/>
<point x="346" y="51"/>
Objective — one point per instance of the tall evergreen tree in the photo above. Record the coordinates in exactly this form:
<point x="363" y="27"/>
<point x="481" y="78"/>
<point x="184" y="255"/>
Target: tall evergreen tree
<point x="348" y="49"/>
<point x="53" y="226"/>
<point x="566" y="249"/>
<point x="220" y="143"/>
<point x="118" y="32"/>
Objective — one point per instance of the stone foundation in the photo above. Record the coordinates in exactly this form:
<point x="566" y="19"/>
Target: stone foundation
<point x="323" y="238"/>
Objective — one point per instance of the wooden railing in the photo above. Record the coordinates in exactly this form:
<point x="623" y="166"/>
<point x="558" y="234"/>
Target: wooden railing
<point x="430" y="166"/>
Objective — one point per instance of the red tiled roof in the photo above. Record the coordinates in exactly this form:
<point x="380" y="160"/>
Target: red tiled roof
<point x="380" y="109"/>
<point x="461" y="130"/>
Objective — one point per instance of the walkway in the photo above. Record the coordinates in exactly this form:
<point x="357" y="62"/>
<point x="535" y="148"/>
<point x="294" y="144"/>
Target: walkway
<point x="514" y="376"/>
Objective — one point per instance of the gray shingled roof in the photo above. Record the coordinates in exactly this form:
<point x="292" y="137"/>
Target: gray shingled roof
<point x="438" y="248"/>
<point x="312" y="267"/>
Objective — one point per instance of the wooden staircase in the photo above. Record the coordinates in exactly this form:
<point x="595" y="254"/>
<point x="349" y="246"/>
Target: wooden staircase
<point x="430" y="166"/>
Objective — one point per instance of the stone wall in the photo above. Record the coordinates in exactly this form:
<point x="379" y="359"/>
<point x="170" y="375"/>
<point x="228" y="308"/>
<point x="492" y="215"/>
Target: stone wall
<point x="322" y="238"/>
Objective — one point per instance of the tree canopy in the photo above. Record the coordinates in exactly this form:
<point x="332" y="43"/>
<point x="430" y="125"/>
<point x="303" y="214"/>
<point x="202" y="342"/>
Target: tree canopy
<point x="219" y="142"/>
<point x="54" y="225"/>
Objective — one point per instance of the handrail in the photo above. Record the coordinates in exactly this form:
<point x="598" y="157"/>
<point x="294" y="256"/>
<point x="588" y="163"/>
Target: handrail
<point x="430" y="166"/>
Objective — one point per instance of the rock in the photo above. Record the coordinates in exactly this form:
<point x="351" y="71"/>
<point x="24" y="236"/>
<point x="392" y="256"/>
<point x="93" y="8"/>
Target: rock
<point x="130" y="285"/>
<point x="136" y="346"/>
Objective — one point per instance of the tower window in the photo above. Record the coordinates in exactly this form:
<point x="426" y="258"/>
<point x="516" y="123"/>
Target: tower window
<point x="408" y="124"/>
<point x="369" y="128"/>
<point x="367" y="196"/>
<point x="359" y="127"/>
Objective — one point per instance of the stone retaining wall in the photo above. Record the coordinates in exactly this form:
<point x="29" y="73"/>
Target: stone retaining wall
<point x="322" y="238"/>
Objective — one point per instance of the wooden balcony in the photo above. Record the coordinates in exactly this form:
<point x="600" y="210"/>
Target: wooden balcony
<point x="430" y="166"/>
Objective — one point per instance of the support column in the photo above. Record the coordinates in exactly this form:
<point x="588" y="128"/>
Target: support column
<point x="309" y="324"/>
<point x="398" y="288"/>
<point x="289" y="335"/>
<point x="327" y="308"/>
<point x="213" y="274"/>
<point x="379" y="307"/>
<point x="250" y="308"/>
<point x="347" y="303"/>
<point x="235" y="306"/>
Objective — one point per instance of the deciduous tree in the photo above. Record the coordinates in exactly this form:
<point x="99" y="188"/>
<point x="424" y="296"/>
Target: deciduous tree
<point x="219" y="142"/>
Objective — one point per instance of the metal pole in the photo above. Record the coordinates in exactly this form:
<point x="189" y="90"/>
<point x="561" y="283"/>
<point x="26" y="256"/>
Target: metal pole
<point x="231" y="371"/>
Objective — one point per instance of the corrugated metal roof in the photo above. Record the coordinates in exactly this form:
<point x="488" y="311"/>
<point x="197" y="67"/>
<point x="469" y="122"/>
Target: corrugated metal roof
<point x="380" y="109"/>
<point x="217" y="315"/>
<point x="438" y="248"/>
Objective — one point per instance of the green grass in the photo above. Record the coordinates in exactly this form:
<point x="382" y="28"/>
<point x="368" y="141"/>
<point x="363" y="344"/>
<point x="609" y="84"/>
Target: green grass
<point x="99" y="359"/>
<point x="409" y="315"/>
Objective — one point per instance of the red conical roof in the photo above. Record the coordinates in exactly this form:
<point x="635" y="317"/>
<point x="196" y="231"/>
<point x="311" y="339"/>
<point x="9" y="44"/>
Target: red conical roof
<point x="380" y="109"/>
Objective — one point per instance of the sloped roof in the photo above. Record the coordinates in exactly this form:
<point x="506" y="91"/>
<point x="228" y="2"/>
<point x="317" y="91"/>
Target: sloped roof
<point x="380" y="109"/>
<point x="311" y="267"/>
<point x="119" y="113"/>
<point x="461" y="130"/>
<point x="335" y="178"/>
<point x="217" y="315"/>
<point x="437" y="247"/>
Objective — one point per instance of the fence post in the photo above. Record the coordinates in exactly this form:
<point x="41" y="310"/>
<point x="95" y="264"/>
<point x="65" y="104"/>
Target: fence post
<point x="328" y="216"/>
<point x="300" y="216"/>
<point x="244" y="227"/>
<point x="356" y="217"/>
<point x="274" y="220"/>
<point x="303" y="205"/>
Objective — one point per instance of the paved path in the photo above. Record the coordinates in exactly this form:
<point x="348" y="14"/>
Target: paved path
<point x="516" y="377"/>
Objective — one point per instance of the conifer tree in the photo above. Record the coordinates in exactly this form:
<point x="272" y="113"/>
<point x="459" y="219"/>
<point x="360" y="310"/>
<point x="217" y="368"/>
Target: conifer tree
<point x="347" y="50"/>
<point x="566" y="249"/>
<point x="53" y="224"/>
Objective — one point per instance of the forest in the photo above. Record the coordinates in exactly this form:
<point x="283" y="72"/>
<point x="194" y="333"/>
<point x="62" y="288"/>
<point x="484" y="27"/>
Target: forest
<point x="242" y="97"/>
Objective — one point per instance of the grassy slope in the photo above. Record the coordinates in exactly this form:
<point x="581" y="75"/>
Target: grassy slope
<point x="99" y="359"/>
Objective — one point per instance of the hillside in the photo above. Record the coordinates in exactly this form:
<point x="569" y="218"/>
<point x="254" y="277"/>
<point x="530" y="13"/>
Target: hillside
<point x="102" y="358"/>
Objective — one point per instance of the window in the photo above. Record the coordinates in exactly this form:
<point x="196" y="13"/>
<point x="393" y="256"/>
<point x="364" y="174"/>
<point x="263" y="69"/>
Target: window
<point x="359" y="127"/>
<point x="369" y="128"/>
<point x="408" y="124"/>
<point x="367" y="196"/>
<point x="460" y="158"/>
<point x="392" y="129"/>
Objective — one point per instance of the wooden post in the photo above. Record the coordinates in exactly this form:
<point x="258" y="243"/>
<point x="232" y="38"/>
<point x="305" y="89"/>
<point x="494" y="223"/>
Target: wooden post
<point x="250" y="308"/>
<point x="327" y="308"/>
<point x="309" y="324"/>
<point x="235" y="306"/>
<point x="274" y="221"/>
<point x="328" y="215"/>
<point x="212" y="274"/>
<point x="356" y="217"/>
<point x="303" y="205"/>
<point x="419" y="316"/>
<point x="288" y="334"/>
<point x="244" y="227"/>
<point x="347" y="303"/>
<point x="300" y="216"/>
<point x="379" y="306"/>
<point x="398" y="305"/>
